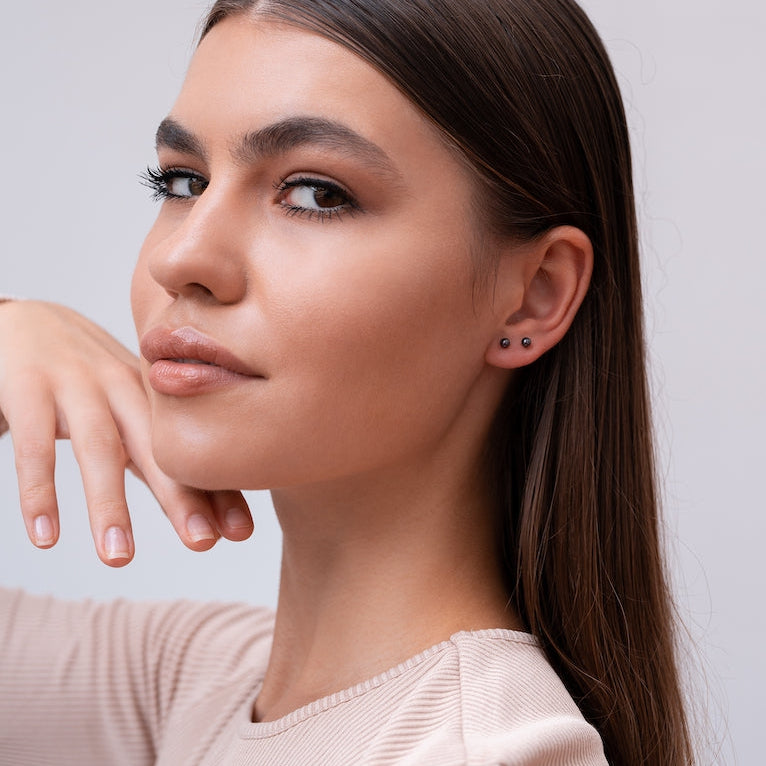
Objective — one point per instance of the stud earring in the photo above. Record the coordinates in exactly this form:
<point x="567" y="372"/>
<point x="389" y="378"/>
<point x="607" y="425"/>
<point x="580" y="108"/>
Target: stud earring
<point x="526" y="342"/>
<point x="505" y="342"/>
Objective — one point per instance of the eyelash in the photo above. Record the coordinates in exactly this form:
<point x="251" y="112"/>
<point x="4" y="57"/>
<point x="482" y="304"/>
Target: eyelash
<point x="158" y="181"/>
<point x="349" y="206"/>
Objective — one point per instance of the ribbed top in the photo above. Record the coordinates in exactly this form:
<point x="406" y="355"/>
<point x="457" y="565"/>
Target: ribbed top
<point x="413" y="667"/>
<point x="171" y="684"/>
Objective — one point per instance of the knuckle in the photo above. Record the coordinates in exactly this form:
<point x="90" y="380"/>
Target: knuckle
<point x="108" y="506"/>
<point x="35" y="495"/>
<point x="102" y="442"/>
<point x="33" y="450"/>
<point x="120" y="373"/>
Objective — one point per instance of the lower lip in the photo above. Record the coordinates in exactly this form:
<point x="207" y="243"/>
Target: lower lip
<point x="185" y="379"/>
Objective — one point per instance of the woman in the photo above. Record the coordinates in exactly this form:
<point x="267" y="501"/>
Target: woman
<point x="398" y="286"/>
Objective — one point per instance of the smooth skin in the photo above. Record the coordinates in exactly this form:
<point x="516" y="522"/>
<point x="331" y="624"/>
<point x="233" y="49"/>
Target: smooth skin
<point x="343" y="271"/>
<point x="62" y="377"/>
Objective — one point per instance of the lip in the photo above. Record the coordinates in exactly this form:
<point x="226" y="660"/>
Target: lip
<point x="184" y="362"/>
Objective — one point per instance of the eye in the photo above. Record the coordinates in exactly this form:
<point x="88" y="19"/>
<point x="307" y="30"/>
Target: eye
<point x="315" y="198"/>
<point x="174" y="183"/>
<point x="185" y="186"/>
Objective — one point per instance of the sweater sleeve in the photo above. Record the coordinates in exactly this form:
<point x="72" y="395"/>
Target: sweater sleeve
<point x="87" y="683"/>
<point x="562" y="741"/>
<point x="517" y="712"/>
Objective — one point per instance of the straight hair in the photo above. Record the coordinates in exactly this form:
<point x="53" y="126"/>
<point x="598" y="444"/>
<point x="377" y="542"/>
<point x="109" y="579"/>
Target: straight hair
<point x="524" y="90"/>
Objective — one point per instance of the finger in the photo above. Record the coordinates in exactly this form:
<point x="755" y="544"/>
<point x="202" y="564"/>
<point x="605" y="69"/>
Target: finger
<point x="98" y="448"/>
<point x="32" y="420"/>
<point x="234" y="518"/>
<point x="104" y="341"/>
<point x="196" y="514"/>
<point x="191" y="512"/>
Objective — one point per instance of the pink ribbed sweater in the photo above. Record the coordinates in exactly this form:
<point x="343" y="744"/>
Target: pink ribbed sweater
<point x="174" y="685"/>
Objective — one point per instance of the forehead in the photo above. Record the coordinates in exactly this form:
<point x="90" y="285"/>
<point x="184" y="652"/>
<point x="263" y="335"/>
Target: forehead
<point x="247" y="74"/>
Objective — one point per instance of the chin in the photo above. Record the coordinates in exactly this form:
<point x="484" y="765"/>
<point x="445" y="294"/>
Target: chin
<point x="198" y="459"/>
<point x="191" y="470"/>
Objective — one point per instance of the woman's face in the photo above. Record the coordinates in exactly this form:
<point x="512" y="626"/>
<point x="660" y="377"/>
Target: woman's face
<point x="305" y="300"/>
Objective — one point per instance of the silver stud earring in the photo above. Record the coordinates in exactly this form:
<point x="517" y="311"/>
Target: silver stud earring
<point x="505" y="342"/>
<point x="526" y="342"/>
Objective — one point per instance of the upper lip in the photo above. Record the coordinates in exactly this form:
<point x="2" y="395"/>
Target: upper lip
<point x="188" y="343"/>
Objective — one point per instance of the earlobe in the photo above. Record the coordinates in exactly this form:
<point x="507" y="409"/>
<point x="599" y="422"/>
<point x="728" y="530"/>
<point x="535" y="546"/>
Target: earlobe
<point x="555" y="271"/>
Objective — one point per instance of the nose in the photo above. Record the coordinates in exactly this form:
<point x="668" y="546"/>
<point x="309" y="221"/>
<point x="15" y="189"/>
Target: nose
<point x="198" y="252"/>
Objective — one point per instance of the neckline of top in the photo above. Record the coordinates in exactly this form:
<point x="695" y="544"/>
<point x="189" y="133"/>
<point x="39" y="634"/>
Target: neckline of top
<point x="255" y="729"/>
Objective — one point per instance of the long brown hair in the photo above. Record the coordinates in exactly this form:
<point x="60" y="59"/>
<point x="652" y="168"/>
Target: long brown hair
<point x="524" y="89"/>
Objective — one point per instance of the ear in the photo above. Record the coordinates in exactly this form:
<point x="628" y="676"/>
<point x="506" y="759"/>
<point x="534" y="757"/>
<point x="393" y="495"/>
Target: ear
<point x="543" y="284"/>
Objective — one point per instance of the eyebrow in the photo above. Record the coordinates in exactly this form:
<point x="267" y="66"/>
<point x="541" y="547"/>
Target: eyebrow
<point x="280" y="138"/>
<point x="172" y="135"/>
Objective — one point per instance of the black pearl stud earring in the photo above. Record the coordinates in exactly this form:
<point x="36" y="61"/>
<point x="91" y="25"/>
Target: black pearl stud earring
<point x="526" y="342"/>
<point x="505" y="342"/>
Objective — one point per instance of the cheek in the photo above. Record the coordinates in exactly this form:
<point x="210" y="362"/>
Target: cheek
<point x="381" y="367"/>
<point x="141" y="290"/>
<point x="370" y="342"/>
<point x="360" y="377"/>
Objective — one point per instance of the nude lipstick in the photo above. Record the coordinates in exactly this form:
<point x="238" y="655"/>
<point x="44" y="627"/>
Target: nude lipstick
<point x="185" y="362"/>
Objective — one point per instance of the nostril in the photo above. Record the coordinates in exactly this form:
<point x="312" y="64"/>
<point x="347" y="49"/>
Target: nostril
<point x="206" y="291"/>
<point x="191" y="290"/>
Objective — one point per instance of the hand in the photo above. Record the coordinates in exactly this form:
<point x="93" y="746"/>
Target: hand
<point x="63" y="377"/>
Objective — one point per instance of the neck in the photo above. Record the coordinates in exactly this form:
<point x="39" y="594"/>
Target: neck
<point x="373" y="572"/>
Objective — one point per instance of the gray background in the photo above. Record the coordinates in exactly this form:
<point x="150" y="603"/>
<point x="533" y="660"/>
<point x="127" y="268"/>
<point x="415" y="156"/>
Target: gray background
<point x="83" y="86"/>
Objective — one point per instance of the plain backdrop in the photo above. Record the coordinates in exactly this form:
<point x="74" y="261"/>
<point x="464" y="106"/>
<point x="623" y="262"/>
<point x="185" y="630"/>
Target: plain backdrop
<point x="82" y="88"/>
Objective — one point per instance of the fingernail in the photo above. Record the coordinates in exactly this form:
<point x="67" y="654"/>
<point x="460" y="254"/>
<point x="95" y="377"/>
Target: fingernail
<point x="116" y="544"/>
<point x="43" y="530"/>
<point x="199" y="528"/>
<point x="236" y="518"/>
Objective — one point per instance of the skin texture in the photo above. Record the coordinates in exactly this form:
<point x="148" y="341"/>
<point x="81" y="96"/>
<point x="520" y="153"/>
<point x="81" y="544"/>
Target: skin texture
<point x="378" y="354"/>
<point x="372" y="356"/>
<point x="364" y="326"/>
<point x="62" y="377"/>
